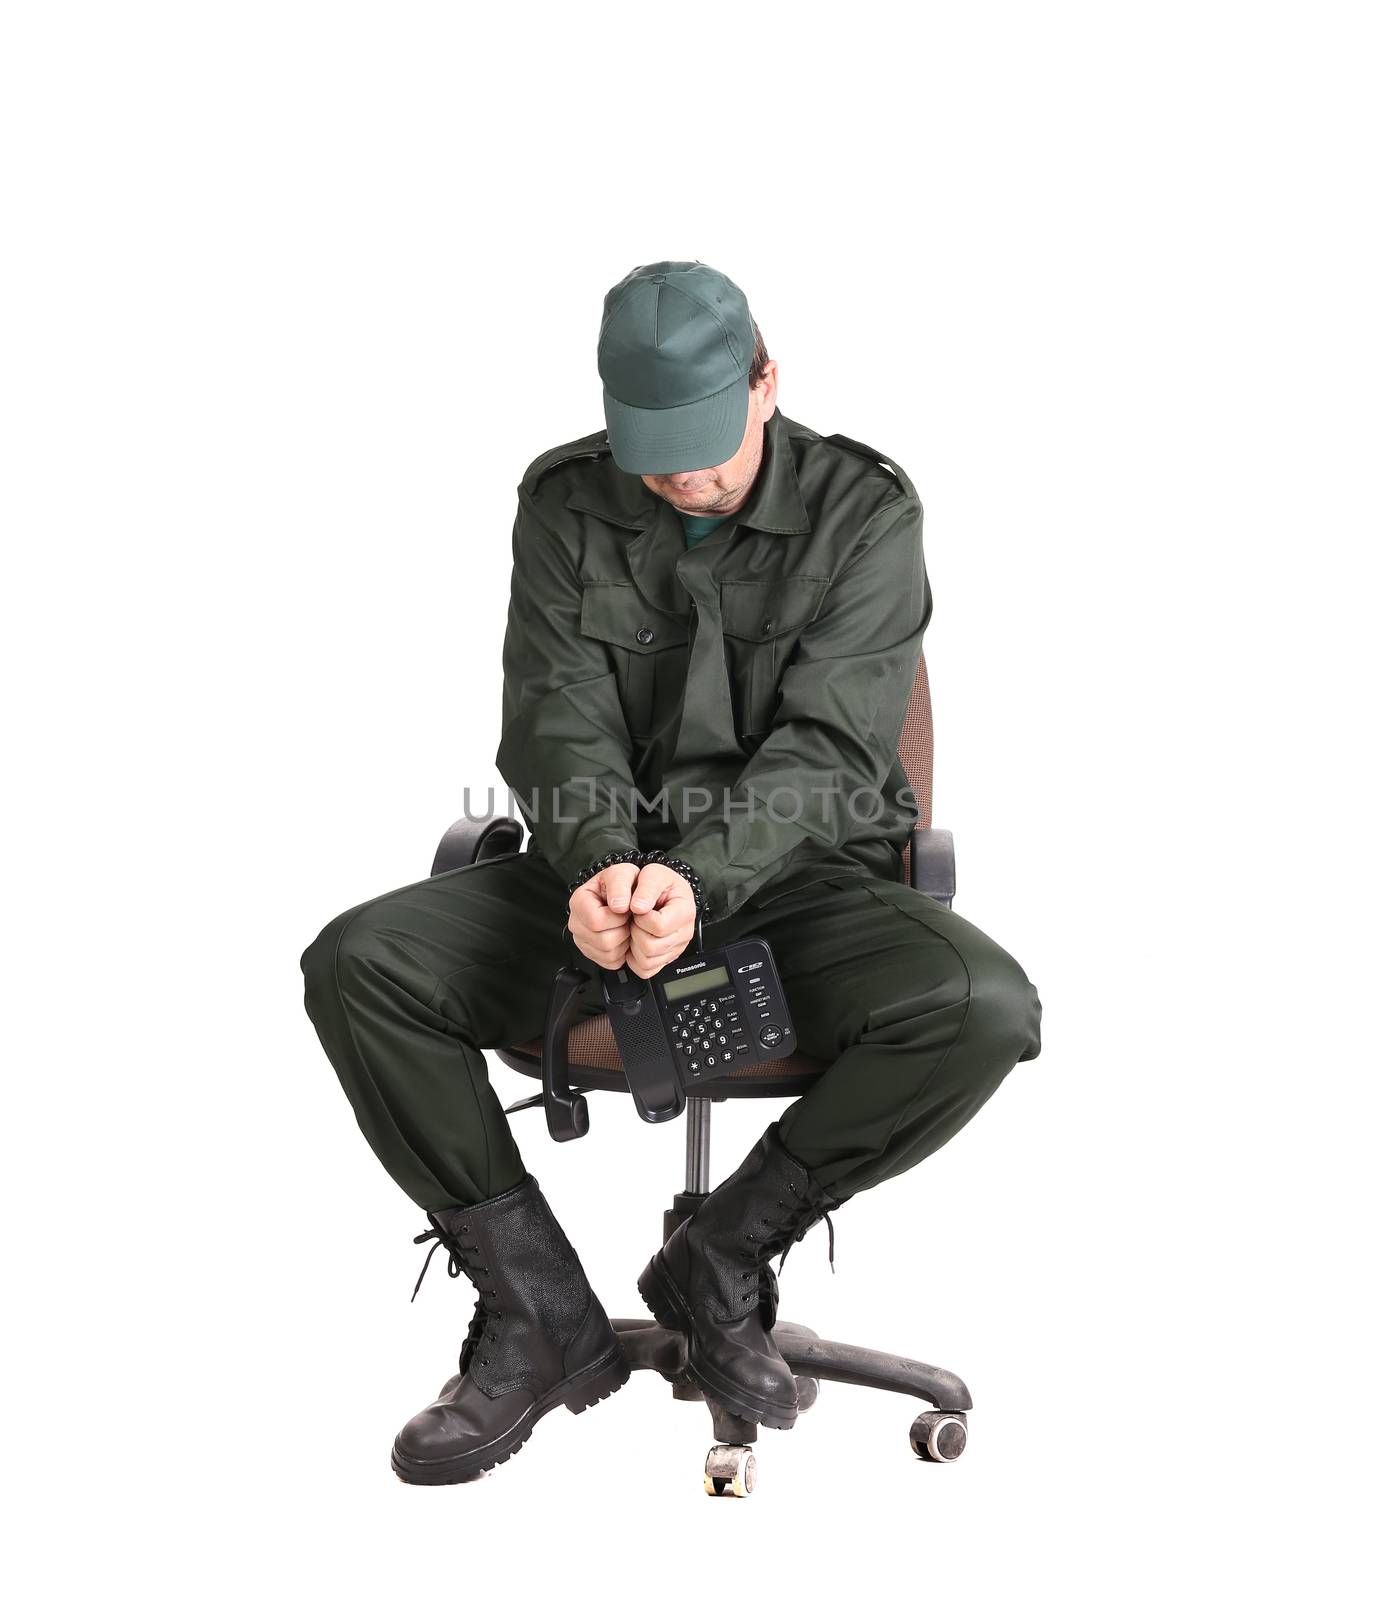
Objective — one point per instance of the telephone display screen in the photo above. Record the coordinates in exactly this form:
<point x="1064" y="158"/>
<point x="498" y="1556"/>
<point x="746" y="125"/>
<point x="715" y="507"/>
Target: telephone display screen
<point x="697" y="983"/>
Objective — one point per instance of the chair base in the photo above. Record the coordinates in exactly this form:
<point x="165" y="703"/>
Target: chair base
<point x="939" y="1434"/>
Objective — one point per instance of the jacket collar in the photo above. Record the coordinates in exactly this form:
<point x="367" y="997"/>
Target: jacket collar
<point x="774" y="504"/>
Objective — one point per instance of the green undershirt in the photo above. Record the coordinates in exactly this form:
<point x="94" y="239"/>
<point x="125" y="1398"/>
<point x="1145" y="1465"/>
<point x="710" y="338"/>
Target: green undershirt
<point x="697" y="528"/>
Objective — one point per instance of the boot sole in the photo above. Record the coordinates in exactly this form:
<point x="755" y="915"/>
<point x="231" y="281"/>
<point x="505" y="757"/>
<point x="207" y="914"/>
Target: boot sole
<point x="576" y="1393"/>
<point x="667" y="1305"/>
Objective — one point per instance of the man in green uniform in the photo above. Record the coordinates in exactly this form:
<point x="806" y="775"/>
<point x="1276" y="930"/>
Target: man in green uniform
<point x="715" y="622"/>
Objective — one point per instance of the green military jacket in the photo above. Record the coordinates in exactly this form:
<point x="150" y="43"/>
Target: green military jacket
<point x="740" y="702"/>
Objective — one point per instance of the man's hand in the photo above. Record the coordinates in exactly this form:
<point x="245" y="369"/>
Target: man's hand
<point x="663" y="919"/>
<point x="600" y="922"/>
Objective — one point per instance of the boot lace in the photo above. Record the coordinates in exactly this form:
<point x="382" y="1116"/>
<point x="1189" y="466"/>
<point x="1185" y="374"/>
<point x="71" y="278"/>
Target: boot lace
<point x="801" y="1214"/>
<point x="485" y="1313"/>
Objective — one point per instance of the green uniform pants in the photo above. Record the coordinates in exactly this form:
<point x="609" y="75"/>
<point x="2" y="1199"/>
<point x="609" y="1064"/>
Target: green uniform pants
<point x="920" y="1012"/>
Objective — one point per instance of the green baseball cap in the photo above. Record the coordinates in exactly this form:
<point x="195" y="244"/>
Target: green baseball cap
<point x="675" y="349"/>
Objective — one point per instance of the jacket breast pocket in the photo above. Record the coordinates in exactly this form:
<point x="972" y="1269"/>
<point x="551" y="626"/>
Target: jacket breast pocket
<point x="762" y="622"/>
<point x="646" y="648"/>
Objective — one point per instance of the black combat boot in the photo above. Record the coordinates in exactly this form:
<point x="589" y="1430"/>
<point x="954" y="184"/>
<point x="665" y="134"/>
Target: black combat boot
<point x="712" y="1282"/>
<point x="538" y="1338"/>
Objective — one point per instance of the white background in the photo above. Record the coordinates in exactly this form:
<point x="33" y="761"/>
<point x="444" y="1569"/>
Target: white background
<point x="293" y="294"/>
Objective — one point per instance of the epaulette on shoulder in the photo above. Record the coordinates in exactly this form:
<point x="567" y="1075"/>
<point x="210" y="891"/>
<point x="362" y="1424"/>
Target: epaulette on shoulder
<point x="876" y="456"/>
<point x="592" y="445"/>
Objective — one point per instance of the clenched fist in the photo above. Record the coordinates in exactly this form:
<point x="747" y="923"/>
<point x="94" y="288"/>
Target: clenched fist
<point x="644" y="918"/>
<point x="663" y="908"/>
<point x="600" y="922"/>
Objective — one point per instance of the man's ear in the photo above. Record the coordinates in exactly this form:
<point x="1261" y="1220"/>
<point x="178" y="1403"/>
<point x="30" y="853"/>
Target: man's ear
<point x="767" y="391"/>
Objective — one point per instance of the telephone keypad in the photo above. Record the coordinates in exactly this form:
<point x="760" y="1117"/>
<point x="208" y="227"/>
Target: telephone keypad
<point x="710" y="1030"/>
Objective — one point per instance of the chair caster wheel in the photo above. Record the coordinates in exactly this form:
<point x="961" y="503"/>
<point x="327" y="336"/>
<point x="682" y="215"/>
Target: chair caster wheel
<point x="807" y="1391"/>
<point x="939" y="1435"/>
<point x="730" y="1469"/>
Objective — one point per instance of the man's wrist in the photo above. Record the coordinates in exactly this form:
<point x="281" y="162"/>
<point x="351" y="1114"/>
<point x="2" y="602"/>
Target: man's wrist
<point x="642" y="858"/>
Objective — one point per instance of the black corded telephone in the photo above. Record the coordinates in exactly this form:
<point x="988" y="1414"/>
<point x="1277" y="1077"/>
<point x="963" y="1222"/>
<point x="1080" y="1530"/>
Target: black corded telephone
<point x="702" y="1015"/>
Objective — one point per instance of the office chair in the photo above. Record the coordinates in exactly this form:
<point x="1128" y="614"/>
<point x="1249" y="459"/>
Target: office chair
<point x="936" y="1435"/>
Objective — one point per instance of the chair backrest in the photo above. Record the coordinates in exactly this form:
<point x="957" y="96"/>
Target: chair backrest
<point x="916" y="750"/>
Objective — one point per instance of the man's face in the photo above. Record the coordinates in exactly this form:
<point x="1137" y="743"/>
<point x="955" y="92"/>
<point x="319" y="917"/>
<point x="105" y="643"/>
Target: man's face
<point x="720" y="491"/>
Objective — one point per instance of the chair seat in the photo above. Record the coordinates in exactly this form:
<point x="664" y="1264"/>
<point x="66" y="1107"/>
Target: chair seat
<point x="595" y="1064"/>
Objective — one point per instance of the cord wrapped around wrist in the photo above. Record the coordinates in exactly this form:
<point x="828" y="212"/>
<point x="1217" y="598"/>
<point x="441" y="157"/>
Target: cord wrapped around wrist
<point x="641" y="858"/>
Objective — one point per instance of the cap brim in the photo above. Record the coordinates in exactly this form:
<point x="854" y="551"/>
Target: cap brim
<point x="679" y="438"/>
